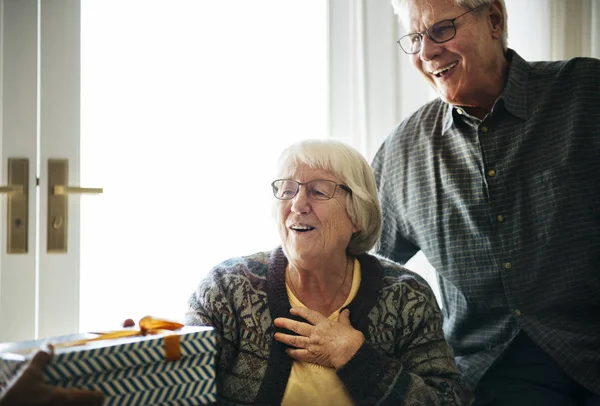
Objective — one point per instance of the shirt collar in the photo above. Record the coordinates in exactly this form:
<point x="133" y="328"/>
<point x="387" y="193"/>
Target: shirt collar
<point x="449" y="118"/>
<point x="515" y="93"/>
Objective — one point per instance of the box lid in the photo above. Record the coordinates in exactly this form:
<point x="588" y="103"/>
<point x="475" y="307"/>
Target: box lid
<point x="105" y="355"/>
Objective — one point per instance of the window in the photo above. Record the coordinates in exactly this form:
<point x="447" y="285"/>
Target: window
<point x="179" y="101"/>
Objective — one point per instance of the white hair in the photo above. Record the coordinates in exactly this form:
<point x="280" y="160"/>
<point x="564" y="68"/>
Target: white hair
<point x="353" y="170"/>
<point x="401" y="10"/>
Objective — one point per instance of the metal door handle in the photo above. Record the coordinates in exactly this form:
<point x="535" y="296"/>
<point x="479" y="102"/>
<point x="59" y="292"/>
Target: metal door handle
<point x="58" y="193"/>
<point x="61" y="190"/>
<point x="11" y="189"/>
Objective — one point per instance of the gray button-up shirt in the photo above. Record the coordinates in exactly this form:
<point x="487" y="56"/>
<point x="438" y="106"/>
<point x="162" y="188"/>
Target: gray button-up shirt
<point x="507" y="209"/>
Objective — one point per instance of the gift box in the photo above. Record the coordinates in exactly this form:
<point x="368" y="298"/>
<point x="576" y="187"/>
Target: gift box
<point x="164" y="368"/>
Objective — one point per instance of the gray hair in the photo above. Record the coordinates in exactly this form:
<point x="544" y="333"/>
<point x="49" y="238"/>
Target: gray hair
<point x="353" y="170"/>
<point x="400" y="9"/>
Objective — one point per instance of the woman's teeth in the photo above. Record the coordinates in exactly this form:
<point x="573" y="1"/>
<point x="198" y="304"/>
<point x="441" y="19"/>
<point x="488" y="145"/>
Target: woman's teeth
<point x="302" y="228"/>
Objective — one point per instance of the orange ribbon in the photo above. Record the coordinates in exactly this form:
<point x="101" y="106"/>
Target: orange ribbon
<point x="147" y="326"/>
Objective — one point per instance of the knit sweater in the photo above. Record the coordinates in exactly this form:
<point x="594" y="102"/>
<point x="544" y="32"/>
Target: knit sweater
<point x="403" y="361"/>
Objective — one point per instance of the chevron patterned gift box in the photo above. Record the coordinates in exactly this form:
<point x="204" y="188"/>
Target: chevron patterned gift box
<point x="129" y="370"/>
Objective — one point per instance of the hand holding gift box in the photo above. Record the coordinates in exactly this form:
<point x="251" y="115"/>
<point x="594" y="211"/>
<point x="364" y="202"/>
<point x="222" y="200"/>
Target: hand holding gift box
<point x="29" y="388"/>
<point x="161" y="363"/>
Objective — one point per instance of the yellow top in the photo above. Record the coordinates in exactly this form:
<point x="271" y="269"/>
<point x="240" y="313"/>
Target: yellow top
<point x="312" y="384"/>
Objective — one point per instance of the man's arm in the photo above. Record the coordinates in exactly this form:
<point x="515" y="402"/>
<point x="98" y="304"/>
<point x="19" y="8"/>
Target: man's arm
<point x="392" y="244"/>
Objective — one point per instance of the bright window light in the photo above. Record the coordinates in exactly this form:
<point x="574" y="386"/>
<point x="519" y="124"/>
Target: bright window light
<point x="185" y="107"/>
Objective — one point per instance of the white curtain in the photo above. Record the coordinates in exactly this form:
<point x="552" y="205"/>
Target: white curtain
<point x="561" y="29"/>
<point x="373" y="85"/>
<point x="575" y="28"/>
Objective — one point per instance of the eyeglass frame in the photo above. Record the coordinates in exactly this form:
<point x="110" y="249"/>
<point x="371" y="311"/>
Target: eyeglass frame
<point x="426" y="32"/>
<point x="298" y="184"/>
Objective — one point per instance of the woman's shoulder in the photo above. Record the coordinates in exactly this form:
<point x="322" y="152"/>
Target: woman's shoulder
<point x="254" y="265"/>
<point x="235" y="276"/>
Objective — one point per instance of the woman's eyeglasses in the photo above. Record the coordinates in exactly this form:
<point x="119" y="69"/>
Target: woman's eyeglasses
<point x="321" y="189"/>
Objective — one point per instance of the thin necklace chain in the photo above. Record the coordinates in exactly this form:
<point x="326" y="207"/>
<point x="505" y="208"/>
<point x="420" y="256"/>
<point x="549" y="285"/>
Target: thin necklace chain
<point x="348" y="265"/>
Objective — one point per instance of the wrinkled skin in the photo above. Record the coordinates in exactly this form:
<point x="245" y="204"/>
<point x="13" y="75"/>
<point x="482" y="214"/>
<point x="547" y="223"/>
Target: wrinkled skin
<point x="478" y="66"/>
<point x="320" y="341"/>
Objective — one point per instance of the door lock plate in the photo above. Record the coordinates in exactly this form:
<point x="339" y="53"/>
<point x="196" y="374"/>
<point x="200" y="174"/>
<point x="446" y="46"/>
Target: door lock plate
<point x="56" y="224"/>
<point x="18" y="205"/>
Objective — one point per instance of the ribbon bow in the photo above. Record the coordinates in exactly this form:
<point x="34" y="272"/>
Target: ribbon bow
<point x="147" y="326"/>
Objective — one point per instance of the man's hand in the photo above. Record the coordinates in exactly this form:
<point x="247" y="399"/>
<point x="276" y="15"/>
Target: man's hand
<point x="28" y="388"/>
<point x="320" y="341"/>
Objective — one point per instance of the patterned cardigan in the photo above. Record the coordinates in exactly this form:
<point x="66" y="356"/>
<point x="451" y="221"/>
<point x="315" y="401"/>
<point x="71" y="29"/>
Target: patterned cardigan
<point x="404" y="360"/>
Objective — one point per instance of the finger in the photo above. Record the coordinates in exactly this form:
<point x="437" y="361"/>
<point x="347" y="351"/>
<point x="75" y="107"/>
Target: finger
<point x="299" y="354"/>
<point x="312" y="316"/>
<point x="292" y="341"/>
<point x="297" y="327"/>
<point x="79" y="397"/>
<point x="307" y="356"/>
<point x="41" y="358"/>
<point x="345" y="317"/>
<point x="281" y="322"/>
<point x="128" y="323"/>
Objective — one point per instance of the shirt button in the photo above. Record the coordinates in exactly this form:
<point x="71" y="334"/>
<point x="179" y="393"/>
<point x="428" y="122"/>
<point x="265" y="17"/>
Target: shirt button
<point x="500" y="218"/>
<point x="517" y="312"/>
<point x="484" y="129"/>
<point x="492" y="173"/>
<point x="507" y="265"/>
<point x="460" y="111"/>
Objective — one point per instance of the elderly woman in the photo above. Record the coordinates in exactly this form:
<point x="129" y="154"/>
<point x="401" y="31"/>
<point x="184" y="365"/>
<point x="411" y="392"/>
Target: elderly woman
<point x="318" y="320"/>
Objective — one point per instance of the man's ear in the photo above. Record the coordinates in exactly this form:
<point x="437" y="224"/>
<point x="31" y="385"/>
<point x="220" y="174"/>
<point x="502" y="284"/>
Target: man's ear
<point x="496" y="18"/>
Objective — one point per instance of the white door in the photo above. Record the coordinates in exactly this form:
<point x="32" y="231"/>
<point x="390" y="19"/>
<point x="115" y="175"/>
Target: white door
<point x="40" y="291"/>
<point x="18" y="68"/>
<point x="178" y="110"/>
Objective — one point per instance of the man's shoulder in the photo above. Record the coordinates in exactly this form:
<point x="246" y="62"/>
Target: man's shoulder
<point x="572" y="84"/>
<point x="418" y="124"/>
<point x="429" y="113"/>
<point x="407" y="138"/>
<point x="583" y="68"/>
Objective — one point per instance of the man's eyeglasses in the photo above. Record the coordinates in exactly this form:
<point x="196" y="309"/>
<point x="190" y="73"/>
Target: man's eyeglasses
<point x="287" y="189"/>
<point x="440" y="32"/>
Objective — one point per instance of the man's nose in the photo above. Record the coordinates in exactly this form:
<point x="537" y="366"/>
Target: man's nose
<point x="429" y="48"/>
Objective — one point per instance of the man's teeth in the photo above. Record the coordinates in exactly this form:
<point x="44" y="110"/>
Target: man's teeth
<point x="438" y="72"/>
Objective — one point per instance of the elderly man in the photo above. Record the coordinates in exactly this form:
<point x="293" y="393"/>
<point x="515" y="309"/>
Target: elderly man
<point x="496" y="181"/>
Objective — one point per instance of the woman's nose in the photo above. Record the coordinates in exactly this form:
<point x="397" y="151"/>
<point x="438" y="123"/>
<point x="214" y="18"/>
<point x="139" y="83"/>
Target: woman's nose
<point x="301" y="202"/>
